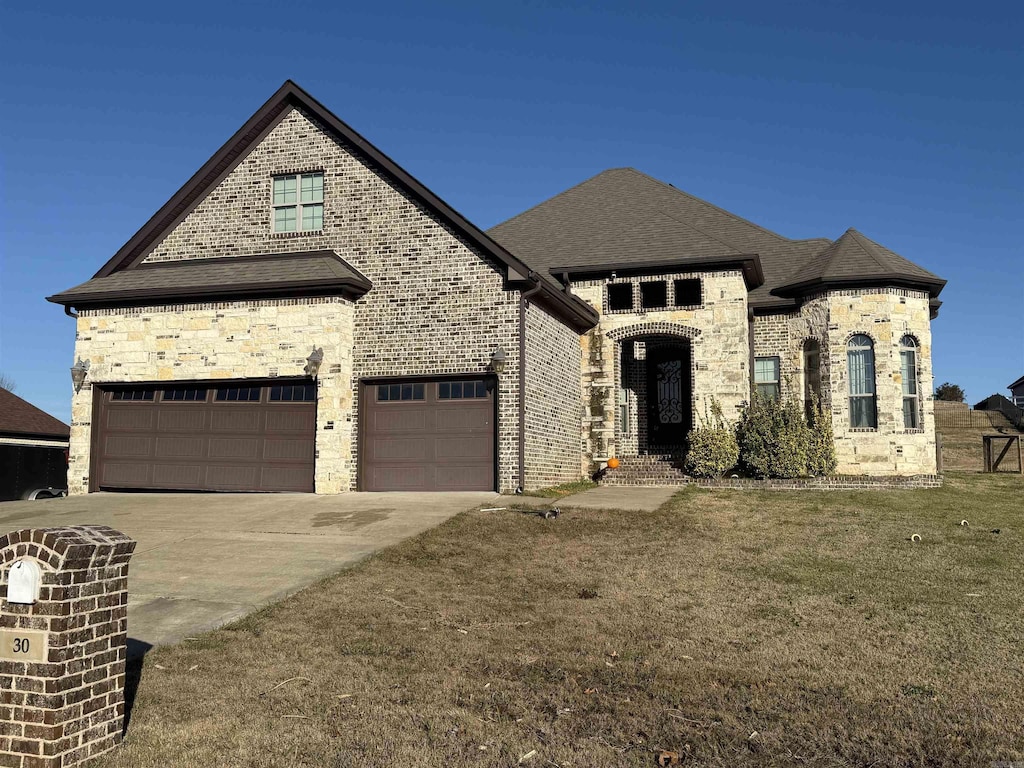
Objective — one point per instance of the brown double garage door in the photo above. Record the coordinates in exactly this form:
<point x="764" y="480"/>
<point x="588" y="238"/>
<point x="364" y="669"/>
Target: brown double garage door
<point x="428" y="435"/>
<point x="416" y="435"/>
<point x="223" y="436"/>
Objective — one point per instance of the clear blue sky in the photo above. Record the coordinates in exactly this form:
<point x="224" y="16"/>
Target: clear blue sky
<point x="902" y="120"/>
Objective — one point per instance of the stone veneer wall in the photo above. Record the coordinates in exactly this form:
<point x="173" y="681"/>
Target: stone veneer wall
<point x="225" y="340"/>
<point x="717" y="331"/>
<point x="437" y="305"/>
<point x="554" y="409"/>
<point x="885" y="315"/>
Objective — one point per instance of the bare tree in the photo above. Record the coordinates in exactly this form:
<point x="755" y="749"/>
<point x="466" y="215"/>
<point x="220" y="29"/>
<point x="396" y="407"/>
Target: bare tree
<point x="6" y="382"/>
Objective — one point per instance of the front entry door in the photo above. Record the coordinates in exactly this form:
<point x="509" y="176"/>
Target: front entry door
<point x="669" y="416"/>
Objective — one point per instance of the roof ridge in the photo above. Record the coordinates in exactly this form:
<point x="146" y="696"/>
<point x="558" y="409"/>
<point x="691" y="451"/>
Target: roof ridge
<point x="707" y="204"/>
<point x="867" y="247"/>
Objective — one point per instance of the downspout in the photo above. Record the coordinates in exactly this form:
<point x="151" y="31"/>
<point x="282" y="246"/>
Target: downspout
<point x="750" y="343"/>
<point x="524" y="298"/>
<point x="69" y="312"/>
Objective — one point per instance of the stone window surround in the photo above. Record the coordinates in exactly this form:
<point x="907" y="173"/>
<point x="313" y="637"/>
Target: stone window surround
<point x="636" y="307"/>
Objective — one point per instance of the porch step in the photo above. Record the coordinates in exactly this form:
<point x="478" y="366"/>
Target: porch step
<point x="666" y="469"/>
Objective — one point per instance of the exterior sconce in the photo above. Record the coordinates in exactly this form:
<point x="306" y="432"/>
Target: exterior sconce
<point x="497" y="361"/>
<point x="313" y="362"/>
<point x="78" y="373"/>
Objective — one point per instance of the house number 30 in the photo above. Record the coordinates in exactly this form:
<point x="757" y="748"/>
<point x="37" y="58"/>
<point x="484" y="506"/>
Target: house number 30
<point x="21" y="645"/>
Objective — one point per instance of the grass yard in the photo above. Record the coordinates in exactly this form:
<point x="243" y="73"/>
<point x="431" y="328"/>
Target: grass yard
<point x="767" y="629"/>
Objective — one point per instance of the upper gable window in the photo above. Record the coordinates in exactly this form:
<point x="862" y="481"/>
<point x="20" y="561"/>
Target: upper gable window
<point x="653" y="295"/>
<point x="298" y="202"/>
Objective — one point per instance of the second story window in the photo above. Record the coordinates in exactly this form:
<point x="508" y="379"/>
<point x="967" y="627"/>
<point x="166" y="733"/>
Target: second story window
<point x="298" y="202"/>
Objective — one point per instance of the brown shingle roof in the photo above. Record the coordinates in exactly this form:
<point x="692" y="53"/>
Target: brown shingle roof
<point x="19" y="417"/>
<point x="623" y="217"/>
<point x="855" y="258"/>
<point x="271" y="274"/>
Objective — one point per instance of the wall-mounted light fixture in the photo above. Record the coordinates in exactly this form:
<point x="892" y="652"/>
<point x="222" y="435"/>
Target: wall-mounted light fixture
<point x="313" y="362"/>
<point x="497" y="361"/>
<point x="78" y="373"/>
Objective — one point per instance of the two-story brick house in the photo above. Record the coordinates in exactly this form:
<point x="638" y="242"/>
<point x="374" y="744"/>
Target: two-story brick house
<point x="304" y="315"/>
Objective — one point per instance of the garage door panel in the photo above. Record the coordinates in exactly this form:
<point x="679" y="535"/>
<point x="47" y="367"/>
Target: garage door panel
<point x="128" y="446"/>
<point x="466" y="477"/>
<point x="398" y="477"/>
<point x="471" y="418"/>
<point x="428" y="444"/>
<point x="231" y="417"/>
<point x="288" y="420"/>
<point x="127" y="475"/>
<point x="179" y="418"/>
<point x="392" y="448"/>
<point x="186" y="476"/>
<point x="137" y="417"/>
<point x="465" y="447"/>
<point x="287" y="449"/>
<point x="285" y="478"/>
<point x="173" y="444"/>
<point x="400" y="419"/>
<point x="232" y="477"/>
<point x="179" y="447"/>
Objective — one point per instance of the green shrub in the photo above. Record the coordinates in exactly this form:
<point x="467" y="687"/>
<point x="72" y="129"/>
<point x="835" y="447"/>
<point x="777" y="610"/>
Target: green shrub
<point x="773" y="438"/>
<point x="713" y="447"/>
<point x="821" y="452"/>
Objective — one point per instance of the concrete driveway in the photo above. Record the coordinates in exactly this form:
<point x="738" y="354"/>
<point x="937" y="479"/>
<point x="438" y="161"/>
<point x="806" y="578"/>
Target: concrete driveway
<point x="203" y="560"/>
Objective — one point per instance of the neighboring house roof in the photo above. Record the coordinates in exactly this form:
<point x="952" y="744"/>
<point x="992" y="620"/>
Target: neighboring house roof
<point x="305" y="273"/>
<point x="20" y="418"/>
<point x="622" y="218"/>
<point x="570" y="309"/>
<point x="854" y="258"/>
<point x="1017" y="383"/>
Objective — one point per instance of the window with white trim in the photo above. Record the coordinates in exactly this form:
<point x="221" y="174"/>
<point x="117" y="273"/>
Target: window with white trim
<point x="298" y="202"/>
<point x="908" y="371"/>
<point x="860" y="360"/>
<point x="766" y="377"/>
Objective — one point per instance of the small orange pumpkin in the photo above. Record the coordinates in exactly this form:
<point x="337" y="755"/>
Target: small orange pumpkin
<point x="613" y="463"/>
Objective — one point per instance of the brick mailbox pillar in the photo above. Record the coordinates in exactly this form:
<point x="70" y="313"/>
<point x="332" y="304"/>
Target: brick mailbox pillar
<point x="63" y="644"/>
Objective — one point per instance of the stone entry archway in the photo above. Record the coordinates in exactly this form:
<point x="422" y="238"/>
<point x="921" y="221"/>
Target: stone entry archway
<point x="617" y="386"/>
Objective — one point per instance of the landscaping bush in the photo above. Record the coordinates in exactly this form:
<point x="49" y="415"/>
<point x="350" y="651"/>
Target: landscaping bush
<point x="821" y="452"/>
<point x="713" y="447"/>
<point x="773" y="438"/>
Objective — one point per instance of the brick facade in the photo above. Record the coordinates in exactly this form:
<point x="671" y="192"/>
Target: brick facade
<point x="554" y="410"/>
<point x="66" y="705"/>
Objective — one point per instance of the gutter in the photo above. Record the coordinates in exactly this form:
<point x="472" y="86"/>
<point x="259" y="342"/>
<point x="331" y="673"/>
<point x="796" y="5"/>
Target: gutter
<point x="524" y="298"/>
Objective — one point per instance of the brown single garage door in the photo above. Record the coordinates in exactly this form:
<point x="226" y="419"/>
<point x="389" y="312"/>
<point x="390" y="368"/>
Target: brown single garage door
<point x="223" y="436"/>
<point x="428" y="435"/>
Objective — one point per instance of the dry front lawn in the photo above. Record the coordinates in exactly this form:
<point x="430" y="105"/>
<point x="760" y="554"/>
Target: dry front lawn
<point x="768" y="629"/>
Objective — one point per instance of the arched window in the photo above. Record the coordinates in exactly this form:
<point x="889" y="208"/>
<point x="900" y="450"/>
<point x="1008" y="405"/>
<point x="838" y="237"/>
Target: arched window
<point x="908" y="369"/>
<point x="860" y="358"/>
<point x="812" y="374"/>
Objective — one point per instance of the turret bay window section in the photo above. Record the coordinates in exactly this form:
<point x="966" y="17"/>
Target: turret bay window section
<point x="766" y="377"/>
<point x="860" y="359"/>
<point x="908" y="371"/>
<point x="298" y="202"/>
<point x="812" y="375"/>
